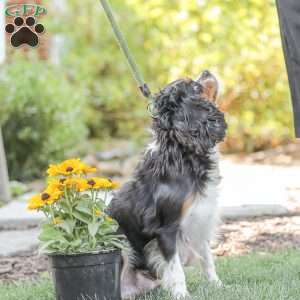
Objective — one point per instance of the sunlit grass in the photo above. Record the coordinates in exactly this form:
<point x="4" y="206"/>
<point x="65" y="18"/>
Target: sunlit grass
<point x="259" y="277"/>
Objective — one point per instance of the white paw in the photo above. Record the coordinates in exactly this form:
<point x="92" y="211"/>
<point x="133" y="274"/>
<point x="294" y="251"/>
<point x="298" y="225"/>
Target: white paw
<point x="180" y="293"/>
<point x="173" y="279"/>
<point x="217" y="282"/>
<point x="177" y="289"/>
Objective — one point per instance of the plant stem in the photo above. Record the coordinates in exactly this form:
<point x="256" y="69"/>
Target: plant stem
<point x="52" y="213"/>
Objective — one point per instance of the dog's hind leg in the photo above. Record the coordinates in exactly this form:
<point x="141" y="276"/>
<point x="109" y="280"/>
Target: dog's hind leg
<point x="208" y="264"/>
<point x="135" y="282"/>
<point x="199" y="227"/>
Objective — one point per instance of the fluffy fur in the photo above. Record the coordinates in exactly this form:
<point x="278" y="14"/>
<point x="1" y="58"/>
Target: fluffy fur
<point x="168" y="211"/>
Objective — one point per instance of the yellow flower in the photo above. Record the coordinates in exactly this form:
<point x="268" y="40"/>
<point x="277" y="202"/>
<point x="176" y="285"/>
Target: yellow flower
<point x="109" y="219"/>
<point x="87" y="169"/>
<point x="70" y="182"/>
<point x="101" y="183"/>
<point x="53" y="170"/>
<point x="115" y="185"/>
<point x="47" y="197"/>
<point x="35" y="202"/>
<point x="70" y="167"/>
<point x="97" y="212"/>
<point x="80" y="184"/>
<point x="51" y="196"/>
<point x="55" y="185"/>
<point x="57" y="221"/>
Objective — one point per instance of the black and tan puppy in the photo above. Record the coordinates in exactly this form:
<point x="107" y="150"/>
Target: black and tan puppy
<point x="168" y="211"/>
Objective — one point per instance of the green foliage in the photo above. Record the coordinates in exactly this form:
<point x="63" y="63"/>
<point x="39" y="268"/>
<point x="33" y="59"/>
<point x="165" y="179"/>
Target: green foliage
<point x="95" y="63"/>
<point x="41" y="113"/>
<point x="73" y="225"/>
<point x="42" y="105"/>
<point x="17" y="188"/>
<point x="237" y="39"/>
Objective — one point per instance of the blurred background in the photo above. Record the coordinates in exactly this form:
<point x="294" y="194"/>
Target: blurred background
<point x="75" y="92"/>
<point x="74" y="96"/>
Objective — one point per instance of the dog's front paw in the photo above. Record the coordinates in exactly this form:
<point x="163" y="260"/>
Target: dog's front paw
<point x="173" y="279"/>
<point x="180" y="293"/>
<point x="217" y="282"/>
<point x="178" y="289"/>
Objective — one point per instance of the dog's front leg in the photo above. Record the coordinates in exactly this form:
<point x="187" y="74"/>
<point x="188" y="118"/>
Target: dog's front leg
<point x="208" y="264"/>
<point x="173" y="277"/>
<point x="169" y="198"/>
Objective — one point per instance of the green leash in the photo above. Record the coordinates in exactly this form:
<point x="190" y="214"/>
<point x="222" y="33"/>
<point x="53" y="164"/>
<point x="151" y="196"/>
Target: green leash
<point x="124" y="47"/>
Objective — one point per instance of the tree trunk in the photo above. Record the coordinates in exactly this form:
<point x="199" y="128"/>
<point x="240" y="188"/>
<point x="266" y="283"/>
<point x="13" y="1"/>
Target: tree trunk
<point x="4" y="182"/>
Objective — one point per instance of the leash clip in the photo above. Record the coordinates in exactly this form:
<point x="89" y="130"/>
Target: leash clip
<point x="145" y="90"/>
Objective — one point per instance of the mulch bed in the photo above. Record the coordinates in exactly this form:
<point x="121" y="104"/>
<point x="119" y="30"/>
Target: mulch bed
<point x="285" y="155"/>
<point x="258" y="235"/>
<point x="236" y="238"/>
<point x="26" y="266"/>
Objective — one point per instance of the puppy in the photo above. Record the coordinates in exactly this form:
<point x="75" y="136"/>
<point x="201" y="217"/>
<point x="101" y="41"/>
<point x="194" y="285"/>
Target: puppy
<point x="168" y="211"/>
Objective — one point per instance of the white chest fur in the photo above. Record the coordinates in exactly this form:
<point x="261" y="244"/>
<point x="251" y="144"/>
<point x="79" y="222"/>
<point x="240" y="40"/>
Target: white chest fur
<point x="199" y="223"/>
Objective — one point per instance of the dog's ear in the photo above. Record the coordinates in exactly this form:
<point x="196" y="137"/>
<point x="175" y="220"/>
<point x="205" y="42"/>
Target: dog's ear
<point x="198" y="143"/>
<point x="202" y="133"/>
<point x="210" y="86"/>
<point x="165" y="105"/>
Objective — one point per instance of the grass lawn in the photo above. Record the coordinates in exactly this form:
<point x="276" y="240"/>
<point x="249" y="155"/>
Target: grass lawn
<point x="255" y="277"/>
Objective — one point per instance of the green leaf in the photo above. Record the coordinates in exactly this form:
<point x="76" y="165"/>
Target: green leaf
<point x="65" y="207"/>
<point x="45" y="246"/>
<point x="76" y="243"/>
<point x="116" y="243"/>
<point x="67" y="225"/>
<point x="50" y="233"/>
<point x="83" y="206"/>
<point x="81" y="217"/>
<point x="93" y="228"/>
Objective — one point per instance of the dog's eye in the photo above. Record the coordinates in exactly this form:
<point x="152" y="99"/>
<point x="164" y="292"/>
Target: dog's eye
<point x="197" y="88"/>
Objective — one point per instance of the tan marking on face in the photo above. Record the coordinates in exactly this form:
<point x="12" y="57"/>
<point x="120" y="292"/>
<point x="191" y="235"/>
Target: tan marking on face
<point x="210" y="89"/>
<point x="210" y="86"/>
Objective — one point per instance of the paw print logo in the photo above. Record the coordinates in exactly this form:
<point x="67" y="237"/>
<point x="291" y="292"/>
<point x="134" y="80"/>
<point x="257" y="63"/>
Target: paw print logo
<point x="24" y="32"/>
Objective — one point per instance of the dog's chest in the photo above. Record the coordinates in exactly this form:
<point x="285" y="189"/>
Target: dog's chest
<point x="201" y="215"/>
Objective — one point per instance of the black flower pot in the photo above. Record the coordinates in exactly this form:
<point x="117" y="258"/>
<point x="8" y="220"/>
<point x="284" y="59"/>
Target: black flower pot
<point x="92" y="276"/>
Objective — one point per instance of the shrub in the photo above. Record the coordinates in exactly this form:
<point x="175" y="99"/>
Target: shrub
<point x="171" y="39"/>
<point x="41" y="116"/>
<point x="93" y="59"/>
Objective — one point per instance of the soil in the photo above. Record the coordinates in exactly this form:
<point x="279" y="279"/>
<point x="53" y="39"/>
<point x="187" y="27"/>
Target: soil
<point x="258" y="235"/>
<point x="235" y="238"/>
<point x="284" y="155"/>
<point x="25" y="266"/>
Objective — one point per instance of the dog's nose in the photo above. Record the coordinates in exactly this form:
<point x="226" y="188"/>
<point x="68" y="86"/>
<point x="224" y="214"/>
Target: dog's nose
<point x="204" y="75"/>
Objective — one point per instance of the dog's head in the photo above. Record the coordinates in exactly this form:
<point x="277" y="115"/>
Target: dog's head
<point x="186" y="110"/>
